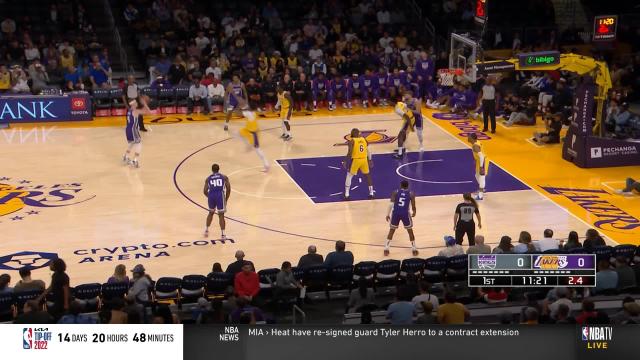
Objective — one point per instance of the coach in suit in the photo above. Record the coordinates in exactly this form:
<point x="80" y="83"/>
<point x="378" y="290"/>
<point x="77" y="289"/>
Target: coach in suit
<point x="310" y="258"/>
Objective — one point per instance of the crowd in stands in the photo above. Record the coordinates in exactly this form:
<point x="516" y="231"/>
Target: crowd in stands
<point x="59" y="49"/>
<point x="255" y="297"/>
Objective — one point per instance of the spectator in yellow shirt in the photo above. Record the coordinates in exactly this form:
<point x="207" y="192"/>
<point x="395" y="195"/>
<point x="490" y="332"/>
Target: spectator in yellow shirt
<point x="452" y="312"/>
<point x="66" y="60"/>
<point x="5" y="79"/>
<point x="401" y="40"/>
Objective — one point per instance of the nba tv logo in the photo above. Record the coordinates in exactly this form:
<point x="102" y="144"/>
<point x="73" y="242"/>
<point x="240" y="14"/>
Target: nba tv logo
<point x="597" y="337"/>
<point x="596" y="152"/>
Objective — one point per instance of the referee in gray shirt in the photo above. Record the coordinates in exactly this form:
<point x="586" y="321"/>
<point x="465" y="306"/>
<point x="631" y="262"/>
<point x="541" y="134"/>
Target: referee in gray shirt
<point x="463" y="220"/>
<point x="488" y="96"/>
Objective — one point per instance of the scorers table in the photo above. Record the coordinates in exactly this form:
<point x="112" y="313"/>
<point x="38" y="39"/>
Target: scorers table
<point x="532" y="270"/>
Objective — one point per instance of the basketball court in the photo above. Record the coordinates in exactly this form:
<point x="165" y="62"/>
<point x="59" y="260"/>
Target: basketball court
<point x="65" y="192"/>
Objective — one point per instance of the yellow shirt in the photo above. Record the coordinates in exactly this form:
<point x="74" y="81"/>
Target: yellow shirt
<point x="292" y="63"/>
<point x="5" y="81"/>
<point x="284" y="102"/>
<point x="407" y="115"/>
<point x="451" y="313"/>
<point x="66" y="62"/>
<point x="476" y="155"/>
<point x="359" y="150"/>
<point x="252" y="125"/>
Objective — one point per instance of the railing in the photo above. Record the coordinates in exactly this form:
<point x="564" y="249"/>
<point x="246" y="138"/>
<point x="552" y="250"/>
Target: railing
<point x="303" y="315"/>
<point x="429" y="28"/>
<point x="117" y="40"/>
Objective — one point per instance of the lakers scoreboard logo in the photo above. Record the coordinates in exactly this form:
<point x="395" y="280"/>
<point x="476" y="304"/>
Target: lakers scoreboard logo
<point x="372" y="137"/>
<point x="597" y="337"/>
<point x="552" y="262"/>
<point x="20" y="198"/>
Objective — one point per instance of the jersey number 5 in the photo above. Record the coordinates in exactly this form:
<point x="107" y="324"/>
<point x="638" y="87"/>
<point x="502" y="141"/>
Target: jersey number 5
<point x="401" y="202"/>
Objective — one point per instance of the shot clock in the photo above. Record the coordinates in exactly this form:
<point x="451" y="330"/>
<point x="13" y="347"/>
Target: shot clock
<point x="605" y="27"/>
<point x="532" y="270"/>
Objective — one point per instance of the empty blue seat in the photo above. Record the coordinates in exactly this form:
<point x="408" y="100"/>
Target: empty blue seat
<point x="602" y="252"/>
<point x="457" y="268"/>
<point x="413" y="266"/>
<point x="387" y="272"/>
<point x="21" y="297"/>
<point x="167" y="288"/>
<point x="192" y="287"/>
<point x="366" y="269"/>
<point x="6" y="306"/>
<point x="340" y="277"/>
<point x="434" y="269"/>
<point x="625" y="251"/>
<point x="315" y="277"/>
<point x="114" y="290"/>
<point x="298" y="273"/>
<point x="217" y="283"/>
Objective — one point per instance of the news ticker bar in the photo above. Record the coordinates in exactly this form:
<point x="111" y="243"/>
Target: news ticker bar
<point x="265" y="342"/>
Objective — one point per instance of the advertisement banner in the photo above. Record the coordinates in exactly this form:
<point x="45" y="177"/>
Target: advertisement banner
<point x="45" y="108"/>
<point x="583" y="105"/>
<point x="592" y="151"/>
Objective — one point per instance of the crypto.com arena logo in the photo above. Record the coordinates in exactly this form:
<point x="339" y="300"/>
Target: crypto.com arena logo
<point x="26" y="259"/>
<point x="20" y="199"/>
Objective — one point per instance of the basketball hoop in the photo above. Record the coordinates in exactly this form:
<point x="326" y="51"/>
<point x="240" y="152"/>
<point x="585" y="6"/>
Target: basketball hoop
<point x="447" y="76"/>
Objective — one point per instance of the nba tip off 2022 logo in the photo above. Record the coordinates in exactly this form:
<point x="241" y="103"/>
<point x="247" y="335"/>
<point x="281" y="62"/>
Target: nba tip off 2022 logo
<point x="20" y="199"/>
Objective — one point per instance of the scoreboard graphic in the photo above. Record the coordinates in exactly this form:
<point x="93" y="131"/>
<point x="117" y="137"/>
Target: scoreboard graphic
<point x="532" y="270"/>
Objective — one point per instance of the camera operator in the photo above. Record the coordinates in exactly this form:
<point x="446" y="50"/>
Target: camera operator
<point x="553" y="123"/>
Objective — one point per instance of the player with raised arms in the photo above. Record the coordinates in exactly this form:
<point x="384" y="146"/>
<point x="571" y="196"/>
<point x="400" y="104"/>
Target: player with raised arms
<point x="249" y="133"/>
<point x="217" y="189"/>
<point x="285" y="104"/>
<point x="137" y="108"/>
<point x="358" y="159"/>
<point x="408" y="124"/>
<point x="235" y="98"/>
<point x="399" y="211"/>
<point x="481" y="162"/>
<point x="416" y="107"/>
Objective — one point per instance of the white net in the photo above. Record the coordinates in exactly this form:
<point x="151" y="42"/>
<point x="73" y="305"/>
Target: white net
<point x="448" y="76"/>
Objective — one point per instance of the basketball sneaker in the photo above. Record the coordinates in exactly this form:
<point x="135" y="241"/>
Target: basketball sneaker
<point x="315" y="108"/>
<point x="223" y="237"/>
<point x="226" y="128"/>
<point x="283" y="136"/>
<point x="125" y="159"/>
<point x="135" y="163"/>
<point x="206" y="233"/>
<point x="288" y="138"/>
<point x="414" y="252"/>
<point x="344" y="105"/>
<point x="386" y="252"/>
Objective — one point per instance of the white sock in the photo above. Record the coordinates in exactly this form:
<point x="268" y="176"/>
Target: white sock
<point x="386" y="244"/>
<point x="347" y="184"/>
<point x="480" y="194"/>
<point x="262" y="157"/>
<point x="400" y="149"/>
<point x="413" y="245"/>
<point x="419" y="133"/>
<point x="371" y="190"/>
<point x="222" y="232"/>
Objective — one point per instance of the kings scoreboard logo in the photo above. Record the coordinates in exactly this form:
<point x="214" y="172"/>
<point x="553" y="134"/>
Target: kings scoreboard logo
<point x="552" y="262"/>
<point x="487" y="262"/>
<point x="372" y="137"/>
<point x="21" y="199"/>
<point x="597" y="337"/>
<point x="35" y="338"/>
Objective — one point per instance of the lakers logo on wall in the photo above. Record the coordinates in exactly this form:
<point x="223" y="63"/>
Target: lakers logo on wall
<point x="20" y="198"/>
<point x="372" y="136"/>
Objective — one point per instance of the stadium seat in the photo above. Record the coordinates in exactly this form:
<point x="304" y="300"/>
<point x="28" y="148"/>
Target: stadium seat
<point x="339" y="282"/>
<point x="21" y="297"/>
<point x="315" y="279"/>
<point x="6" y="306"/>
<point x="578" y="250"/>
<point x="434" y="269"/>
<point x="192" y="288"/>
<point x="182" y="94"/>
<point x="118" y="107"/>
<point x="267" y="281"/>
<point x="387" y="272"/>
<point x="88" y="295"/>
<point x="153" y="98"/>
<point x="411" y="266"/>
<point x="102" y="102"/>
<point x="555" y="251"/>
<point x="457" y="268"/>
<point x="217" y="284"/>
<point x="167" y="289"/>
<point x="114" y="290"/>
<point x="298" y="273"/>
<point x="602" y="252"/>
<point x="167" y="100"/>
<point x="366" y="269"/>
<point x="625" y="251"/>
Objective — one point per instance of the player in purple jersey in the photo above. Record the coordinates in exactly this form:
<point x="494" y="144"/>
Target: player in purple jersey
<point x="137" y="108"/>
<point x="425" y="70"/>
<point x="399" y="211"/>
<point x="355" y="87"/>
<point x="217" y="189"/>
<point x="383" y="86"/>
<point x="369" y="84"/>
<point x="235" y="95"/>
<point x="395" y="82"/>
<point x="319" y="89"/>
<point x="339" y="88"/>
